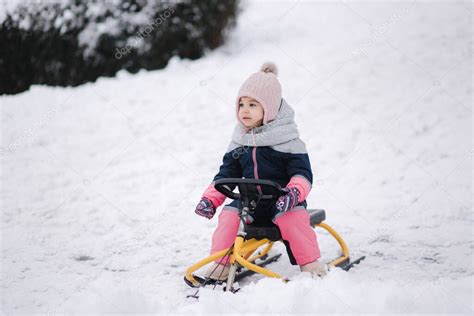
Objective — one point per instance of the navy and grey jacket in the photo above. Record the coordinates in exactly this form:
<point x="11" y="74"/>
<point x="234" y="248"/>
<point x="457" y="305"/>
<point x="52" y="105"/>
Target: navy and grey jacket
<point x="273" y="151"/>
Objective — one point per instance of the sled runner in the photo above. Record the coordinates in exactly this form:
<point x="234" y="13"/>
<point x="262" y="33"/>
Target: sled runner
<point x="243" y="258"/>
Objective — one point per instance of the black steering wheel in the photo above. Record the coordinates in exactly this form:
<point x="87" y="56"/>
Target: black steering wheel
<point x="247" y="186"/>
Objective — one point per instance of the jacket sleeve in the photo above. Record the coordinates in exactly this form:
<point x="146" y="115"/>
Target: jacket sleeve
<point x="300" y="174"/>
<point x="230" y="168"/>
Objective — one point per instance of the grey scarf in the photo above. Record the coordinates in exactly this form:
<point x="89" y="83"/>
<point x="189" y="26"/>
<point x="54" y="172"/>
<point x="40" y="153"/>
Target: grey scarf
<point x="281" y="133"/>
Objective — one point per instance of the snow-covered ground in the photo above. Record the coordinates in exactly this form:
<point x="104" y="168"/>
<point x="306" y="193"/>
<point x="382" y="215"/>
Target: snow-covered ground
<point x="99" y="182"/>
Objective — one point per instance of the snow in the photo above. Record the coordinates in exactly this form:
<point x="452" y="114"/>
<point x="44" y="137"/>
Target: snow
<point x="89" y="37"/>
<point x="7" y="6"/>
<point x="113" y="24"/>
<point x="110" y="17"/>
<point x="99" y="182"/>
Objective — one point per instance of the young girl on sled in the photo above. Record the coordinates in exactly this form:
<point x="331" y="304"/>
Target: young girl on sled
<point x="266" y="145"/>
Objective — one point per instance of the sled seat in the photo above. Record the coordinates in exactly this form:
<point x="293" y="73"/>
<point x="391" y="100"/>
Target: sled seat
<point x="271" y="231"/>
<point x="316" y="216"/>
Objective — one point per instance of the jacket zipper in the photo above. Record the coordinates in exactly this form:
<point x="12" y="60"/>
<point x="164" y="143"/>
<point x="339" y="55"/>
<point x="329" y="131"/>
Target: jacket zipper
<point x="255" y="167"/>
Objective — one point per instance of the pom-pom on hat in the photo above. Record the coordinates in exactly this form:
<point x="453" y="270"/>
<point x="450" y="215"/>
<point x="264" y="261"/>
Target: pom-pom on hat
<point x="264" y="87"/>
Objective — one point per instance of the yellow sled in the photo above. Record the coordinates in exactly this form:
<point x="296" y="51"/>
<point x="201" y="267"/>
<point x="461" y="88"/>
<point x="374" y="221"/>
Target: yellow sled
<point x="242" y="257"/>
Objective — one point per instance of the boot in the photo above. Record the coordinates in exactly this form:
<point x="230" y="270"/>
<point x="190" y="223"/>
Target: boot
<point x="217" y="272"/>
<point x="316" y="268"/>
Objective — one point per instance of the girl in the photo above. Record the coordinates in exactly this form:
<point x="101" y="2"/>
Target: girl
<point x="265" y="145"/>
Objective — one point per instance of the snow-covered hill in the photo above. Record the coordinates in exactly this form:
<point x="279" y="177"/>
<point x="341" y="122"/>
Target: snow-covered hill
<point x="99" y="182"/>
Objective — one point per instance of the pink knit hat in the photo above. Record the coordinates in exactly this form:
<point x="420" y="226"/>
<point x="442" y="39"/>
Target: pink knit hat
<point x="264" y="87"/>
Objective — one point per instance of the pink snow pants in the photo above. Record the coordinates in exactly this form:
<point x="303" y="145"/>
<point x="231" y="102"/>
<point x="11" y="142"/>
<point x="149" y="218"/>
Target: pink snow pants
<point x="294" y="227"/>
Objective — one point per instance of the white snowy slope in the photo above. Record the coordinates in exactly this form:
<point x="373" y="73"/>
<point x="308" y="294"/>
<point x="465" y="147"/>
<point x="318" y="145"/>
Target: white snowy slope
<point x="99" y="182"/>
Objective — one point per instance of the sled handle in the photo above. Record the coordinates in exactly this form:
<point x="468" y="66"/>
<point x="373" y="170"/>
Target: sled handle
<point x="226" y="185"/>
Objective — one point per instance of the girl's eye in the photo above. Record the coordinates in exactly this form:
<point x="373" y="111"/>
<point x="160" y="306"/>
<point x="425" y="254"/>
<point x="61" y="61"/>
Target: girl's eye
<point x="241" y="105"/>
<point x="252" y="104"/>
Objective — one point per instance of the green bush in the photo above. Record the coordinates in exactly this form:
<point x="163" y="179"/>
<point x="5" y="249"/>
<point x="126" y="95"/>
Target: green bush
<point x="76" y="41"/>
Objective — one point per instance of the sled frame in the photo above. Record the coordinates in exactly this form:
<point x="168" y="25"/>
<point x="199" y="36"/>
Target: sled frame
<point x="243" y="250"/>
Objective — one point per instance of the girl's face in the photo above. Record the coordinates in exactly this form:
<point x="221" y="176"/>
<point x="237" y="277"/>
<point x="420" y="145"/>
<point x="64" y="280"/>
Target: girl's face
<point x="250" y="112"/>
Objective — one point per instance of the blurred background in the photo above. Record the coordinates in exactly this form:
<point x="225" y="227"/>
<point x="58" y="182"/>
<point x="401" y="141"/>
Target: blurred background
<point x="68" y="43"/>
<point x="115" y="116"/>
